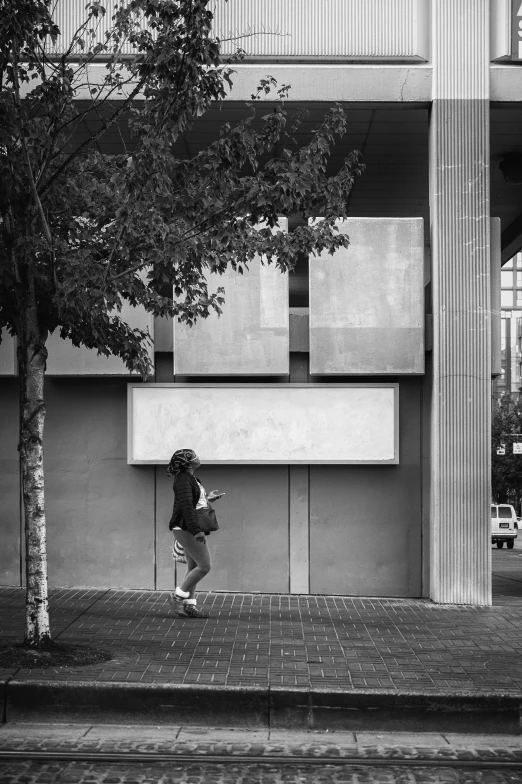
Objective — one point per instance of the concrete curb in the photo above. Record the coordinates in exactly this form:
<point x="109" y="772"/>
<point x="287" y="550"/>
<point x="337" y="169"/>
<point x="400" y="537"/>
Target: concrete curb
<point x="140" y="703"/>
<point x="261" y="707"/>
<point x="377" y="710"/>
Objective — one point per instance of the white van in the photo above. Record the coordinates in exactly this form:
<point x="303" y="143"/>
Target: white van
<point x="503" y="525"/>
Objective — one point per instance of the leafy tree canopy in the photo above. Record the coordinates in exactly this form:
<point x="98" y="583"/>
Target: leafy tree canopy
<point x="506" y="468"/>
<point x="89" y="230"/>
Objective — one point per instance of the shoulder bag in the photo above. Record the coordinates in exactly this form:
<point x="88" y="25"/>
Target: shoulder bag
<point x="207" y="519"/>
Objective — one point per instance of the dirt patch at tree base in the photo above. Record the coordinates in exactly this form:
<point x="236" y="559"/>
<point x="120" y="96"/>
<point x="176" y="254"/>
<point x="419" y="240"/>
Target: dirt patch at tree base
<point x="52" y="654"/>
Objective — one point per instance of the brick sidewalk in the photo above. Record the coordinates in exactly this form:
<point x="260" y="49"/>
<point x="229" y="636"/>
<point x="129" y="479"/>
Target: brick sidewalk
<point x="270" y="641"/>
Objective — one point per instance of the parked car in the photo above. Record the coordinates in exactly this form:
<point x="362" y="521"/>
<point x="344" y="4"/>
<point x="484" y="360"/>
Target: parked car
<point x="503" y="525"/>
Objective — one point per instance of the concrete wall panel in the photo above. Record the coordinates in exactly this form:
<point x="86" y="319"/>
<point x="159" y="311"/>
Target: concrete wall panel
<point x="100" y="523"/>
<point x="9" y="484"/>
<point x="368" y="83"/>
<point x="299" y="517"/>
<point x="8" y="363"/>
<point x="68" y="360"/>
<point x="86" y="417"/>
<point x="365" y="522"/>
<point x="251" y="337"/>
<point x="251" y="550"/>
<point x="164" y="504"/>
<point x="100" y="512"/>
<point x="300" y="330"/>
<point x="367" y="301"/>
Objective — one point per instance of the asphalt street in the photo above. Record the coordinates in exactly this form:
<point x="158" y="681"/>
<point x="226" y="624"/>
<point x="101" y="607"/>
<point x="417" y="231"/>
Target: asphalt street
<point x="119" y="754"/>
<point x="234" y="773"/>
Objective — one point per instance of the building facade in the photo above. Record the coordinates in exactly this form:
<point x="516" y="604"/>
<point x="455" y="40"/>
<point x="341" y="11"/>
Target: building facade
<point x="510" y="379"/>
<point x="345" y="408"/>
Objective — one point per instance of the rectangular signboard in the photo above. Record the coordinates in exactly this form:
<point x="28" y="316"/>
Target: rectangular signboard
<point x="264" y="424"/>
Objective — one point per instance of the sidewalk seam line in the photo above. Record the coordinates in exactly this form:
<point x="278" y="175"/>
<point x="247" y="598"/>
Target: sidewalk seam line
<point x="82" y="613"/>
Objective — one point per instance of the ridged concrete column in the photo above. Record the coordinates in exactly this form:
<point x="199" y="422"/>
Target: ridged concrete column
<point x="460" y="237"/>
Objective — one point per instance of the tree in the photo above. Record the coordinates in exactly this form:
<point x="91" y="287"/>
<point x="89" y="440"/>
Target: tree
<point x="506" y="469"/>
<point x="83" y="232"/>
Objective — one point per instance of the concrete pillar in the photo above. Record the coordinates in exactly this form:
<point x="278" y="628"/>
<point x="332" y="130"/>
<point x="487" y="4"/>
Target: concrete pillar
<point x="460" y="563"/>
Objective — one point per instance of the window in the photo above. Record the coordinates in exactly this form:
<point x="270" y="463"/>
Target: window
<point x="506" y="279"/>
<point x="519" y="297"/>
<point x="506" y="299"/>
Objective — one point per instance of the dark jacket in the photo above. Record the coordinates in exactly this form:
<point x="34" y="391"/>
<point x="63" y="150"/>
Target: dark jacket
<point x="186" y="496"/>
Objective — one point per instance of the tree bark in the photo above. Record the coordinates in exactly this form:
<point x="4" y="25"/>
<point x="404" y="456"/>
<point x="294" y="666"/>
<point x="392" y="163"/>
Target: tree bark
<point x="32" y="355"/>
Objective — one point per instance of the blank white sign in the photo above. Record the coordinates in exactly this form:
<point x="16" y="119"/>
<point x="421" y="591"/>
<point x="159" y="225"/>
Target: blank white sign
<point x="279" y="423"/>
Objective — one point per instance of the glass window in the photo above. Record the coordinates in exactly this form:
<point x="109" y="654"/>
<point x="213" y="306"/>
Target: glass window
<point x="508" y="266"/>
<point x="519" y="277"/>
<point x="493" y="511"/>
<point x="506" y="279"/>
<point x="504" y="512"/>
<point x="519" y="297"/>
<point x="506" y="299"/>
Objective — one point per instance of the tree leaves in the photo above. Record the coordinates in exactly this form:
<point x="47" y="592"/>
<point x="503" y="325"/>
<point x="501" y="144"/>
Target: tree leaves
<point x="506" y="469"/>
<point x="130" y="228"/>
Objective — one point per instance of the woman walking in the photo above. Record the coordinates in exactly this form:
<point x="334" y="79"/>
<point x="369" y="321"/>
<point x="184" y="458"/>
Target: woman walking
<point x="189" y="495"/>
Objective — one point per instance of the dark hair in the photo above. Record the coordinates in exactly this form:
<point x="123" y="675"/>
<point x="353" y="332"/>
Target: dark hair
<point x="180" y="461"/>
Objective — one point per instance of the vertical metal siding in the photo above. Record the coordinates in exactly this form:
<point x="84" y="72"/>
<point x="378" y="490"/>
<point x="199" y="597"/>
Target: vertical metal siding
<point x="321" y="28"/>
<point x="459" y="171"/>
<point x="295" y="28"/>
<point x="71" y="14"/>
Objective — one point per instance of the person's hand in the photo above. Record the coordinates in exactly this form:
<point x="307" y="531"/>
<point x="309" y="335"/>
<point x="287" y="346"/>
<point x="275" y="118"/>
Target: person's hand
<point x="200" y="537"/>
<point x="214" y="495"/>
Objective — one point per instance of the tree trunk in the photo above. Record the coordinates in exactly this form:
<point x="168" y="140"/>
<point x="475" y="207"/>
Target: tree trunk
<point x="32" y="355"/>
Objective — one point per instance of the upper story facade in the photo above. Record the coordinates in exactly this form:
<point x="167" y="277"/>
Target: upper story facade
<point x="387" y="49"/>
<point x="382" y="57"/>
<point x="327" y="31"/>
